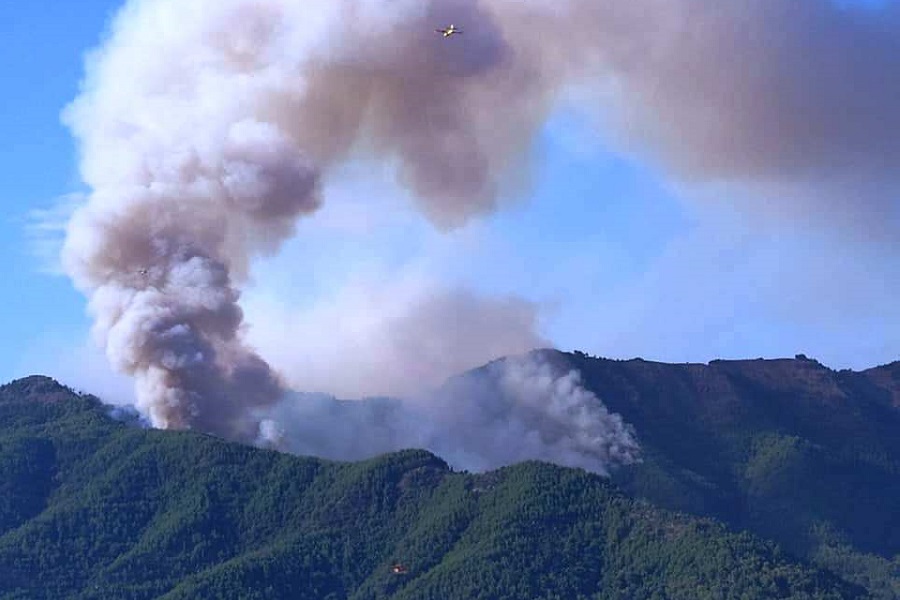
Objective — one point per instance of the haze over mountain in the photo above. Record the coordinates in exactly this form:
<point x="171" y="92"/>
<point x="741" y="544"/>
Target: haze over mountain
<point x="786" y="449"/>
<point x="524" y="408"/>
<point x="93" y="507"/>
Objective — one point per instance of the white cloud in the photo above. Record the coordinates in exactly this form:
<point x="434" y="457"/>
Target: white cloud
<point x="45" y="230"/>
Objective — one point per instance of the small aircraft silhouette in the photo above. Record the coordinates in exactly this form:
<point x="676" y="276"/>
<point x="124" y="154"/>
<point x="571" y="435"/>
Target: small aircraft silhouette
<point x="144" y="272"/>
<point x="448" y="31"/>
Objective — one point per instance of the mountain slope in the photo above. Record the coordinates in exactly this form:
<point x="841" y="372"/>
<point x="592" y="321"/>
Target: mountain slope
<point x="787" y="449"/>
<point x="95" y="508"/>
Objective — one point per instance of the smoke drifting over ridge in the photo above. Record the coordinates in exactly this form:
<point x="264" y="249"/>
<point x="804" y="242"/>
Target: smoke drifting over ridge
<point x="207" y="128"/>
<point x="519" y="408"/>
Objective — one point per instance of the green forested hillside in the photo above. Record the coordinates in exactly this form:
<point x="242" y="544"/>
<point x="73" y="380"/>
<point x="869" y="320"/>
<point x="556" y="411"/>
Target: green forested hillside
<point x="94" y="508"/>
<point x="787" y="449"/>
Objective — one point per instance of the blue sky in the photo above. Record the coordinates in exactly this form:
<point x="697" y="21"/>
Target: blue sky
<point x="43" y="48"/>
<point x="622" y="260"/>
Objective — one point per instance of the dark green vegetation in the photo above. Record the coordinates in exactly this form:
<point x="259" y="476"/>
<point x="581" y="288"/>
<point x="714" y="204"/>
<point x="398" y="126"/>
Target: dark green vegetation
<point x="93" y="508"/>
<point x="787" y="449"/>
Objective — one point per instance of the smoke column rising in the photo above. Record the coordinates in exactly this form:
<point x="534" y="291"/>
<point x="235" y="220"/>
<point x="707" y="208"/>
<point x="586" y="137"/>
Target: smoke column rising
<point x="206" y="129"/>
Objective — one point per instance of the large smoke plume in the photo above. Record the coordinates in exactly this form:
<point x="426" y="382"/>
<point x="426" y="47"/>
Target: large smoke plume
<point x="207" y="129"/>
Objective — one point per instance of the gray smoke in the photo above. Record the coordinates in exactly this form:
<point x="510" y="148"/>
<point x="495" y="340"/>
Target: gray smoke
<point x="393" y="338"/>
<point x="206" y="130"/>
<point x="129" y="415"/>
<point x="515" y="409"/>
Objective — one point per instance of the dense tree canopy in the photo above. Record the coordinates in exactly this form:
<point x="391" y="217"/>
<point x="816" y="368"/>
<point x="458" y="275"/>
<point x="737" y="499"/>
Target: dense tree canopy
<point x="95" y="508"/>
<point x="787" y="449"/>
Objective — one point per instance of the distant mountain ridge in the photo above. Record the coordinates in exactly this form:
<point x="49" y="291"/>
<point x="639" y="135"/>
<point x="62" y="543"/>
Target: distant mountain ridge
<point x="93" y="508"/>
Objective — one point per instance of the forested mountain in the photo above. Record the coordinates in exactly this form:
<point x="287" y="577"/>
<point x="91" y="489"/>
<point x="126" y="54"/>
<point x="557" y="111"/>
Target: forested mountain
<point x="787" y="449"/>
<point x="92" y="507"/>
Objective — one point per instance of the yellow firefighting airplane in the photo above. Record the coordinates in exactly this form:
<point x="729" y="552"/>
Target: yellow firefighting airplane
<point x="448" y="31"/>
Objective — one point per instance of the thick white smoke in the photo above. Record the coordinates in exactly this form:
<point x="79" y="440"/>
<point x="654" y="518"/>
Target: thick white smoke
<point x="206" y="129"/>
<point x="530" y="412"/>
<point x="515" y="409"/>
<point x="392" y="338"/>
